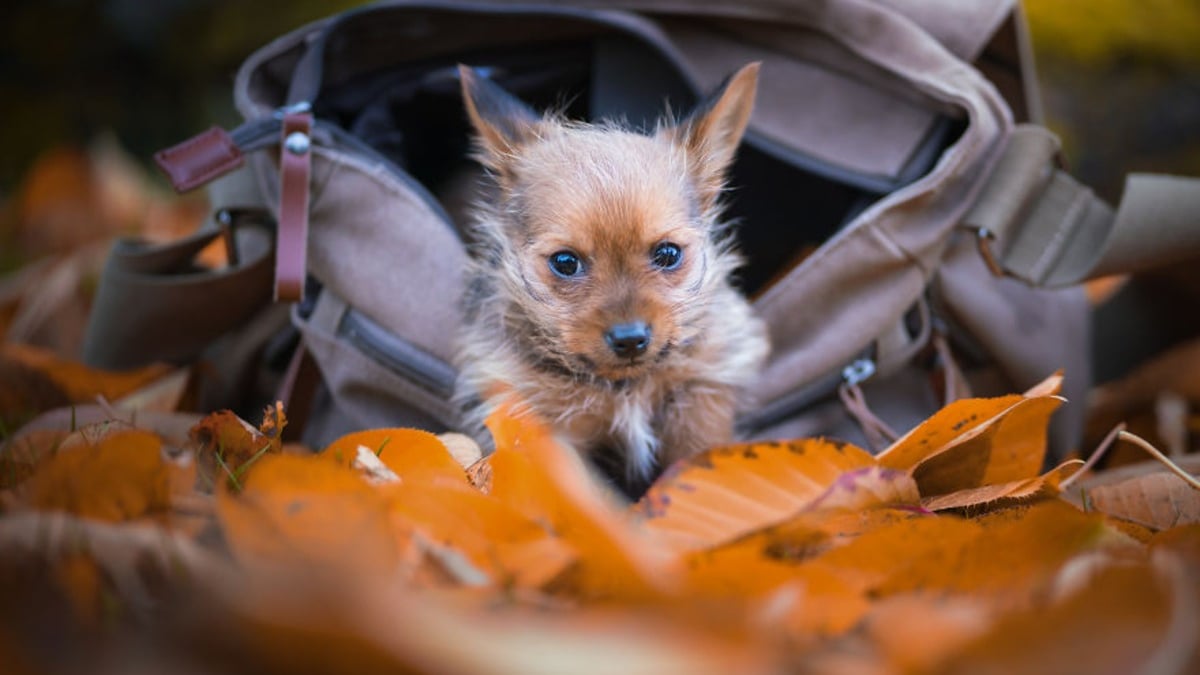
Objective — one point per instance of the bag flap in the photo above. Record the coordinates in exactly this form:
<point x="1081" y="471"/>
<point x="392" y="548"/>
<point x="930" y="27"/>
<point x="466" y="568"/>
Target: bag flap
<point x="808" y="65"/>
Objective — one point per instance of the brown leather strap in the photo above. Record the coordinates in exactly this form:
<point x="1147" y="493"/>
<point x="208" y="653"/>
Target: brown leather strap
<point x="153" y="304"/>
<point x="295" y="166"/>
<point x="199" y="159"/>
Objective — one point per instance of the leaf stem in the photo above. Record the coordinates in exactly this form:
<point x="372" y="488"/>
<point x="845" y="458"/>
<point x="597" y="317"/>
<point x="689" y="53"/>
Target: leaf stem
<point x="1157" y="454"/>
<point x="1097" y="454"/>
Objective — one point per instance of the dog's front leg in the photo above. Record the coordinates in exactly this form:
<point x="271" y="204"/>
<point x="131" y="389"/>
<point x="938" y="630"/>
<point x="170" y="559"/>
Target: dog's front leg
<point x="694" y="419"/>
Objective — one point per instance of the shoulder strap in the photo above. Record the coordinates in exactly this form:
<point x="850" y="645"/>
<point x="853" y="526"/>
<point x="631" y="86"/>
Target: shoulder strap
<point x="1038" y="224"/>
<point x="154" y="304"/>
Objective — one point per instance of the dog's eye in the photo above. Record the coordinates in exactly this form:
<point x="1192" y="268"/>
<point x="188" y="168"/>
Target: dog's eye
<point x="566" y="264"/>
<point x="667" y="256"/>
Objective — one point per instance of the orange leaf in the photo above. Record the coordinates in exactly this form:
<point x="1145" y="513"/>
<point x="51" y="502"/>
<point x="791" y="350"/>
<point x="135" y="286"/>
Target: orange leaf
<point x="550" y="484"/>
<point x="1013" y="554"/>
<point x="945" y="426"/>
<point x="769" y="565"/>
<point x="497" y="539"/>
<point x="411" y="454"/>
<point x="1010" y="445"/>
<point x="308" y="513"/>
<point x="1001" y="495"/>
<point x="896" y="550"/>
<point x="865" y="488"/>
<point x="815" y="601"/>
<point x="1122" y="621"/>
<point x="914" y="631"/>
<point x="726" y="492"/>
<point x="958" y="423"/>
<point x="119" y="478"/>
<point x="1183" y="540"/>
<point x="79" y="382"/>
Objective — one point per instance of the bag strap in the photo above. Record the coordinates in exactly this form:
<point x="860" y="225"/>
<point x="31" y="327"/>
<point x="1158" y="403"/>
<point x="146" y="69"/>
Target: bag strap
<point x="154" y="304"/>
<point x="1039" y="225"/>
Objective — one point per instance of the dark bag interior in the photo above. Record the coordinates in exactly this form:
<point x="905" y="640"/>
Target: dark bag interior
<point x="410" y="112"/>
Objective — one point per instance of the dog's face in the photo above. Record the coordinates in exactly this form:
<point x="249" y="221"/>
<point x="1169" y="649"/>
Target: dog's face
<point x="606" y="237"/>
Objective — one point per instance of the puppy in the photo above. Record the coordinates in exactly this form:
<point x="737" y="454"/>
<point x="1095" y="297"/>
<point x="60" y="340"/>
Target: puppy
<point x="599" y="298"/>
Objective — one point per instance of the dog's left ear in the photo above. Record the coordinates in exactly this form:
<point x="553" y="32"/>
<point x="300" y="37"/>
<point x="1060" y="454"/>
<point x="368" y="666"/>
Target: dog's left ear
<point x="712" y="132"/>
<point x="502" y="122"/>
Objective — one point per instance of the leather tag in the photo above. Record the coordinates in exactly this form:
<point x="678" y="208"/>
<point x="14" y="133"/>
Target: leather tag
<point x="200" y="159"/>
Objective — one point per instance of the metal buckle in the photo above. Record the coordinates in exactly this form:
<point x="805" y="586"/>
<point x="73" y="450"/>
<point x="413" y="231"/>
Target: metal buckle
<point x="859" y="371"/>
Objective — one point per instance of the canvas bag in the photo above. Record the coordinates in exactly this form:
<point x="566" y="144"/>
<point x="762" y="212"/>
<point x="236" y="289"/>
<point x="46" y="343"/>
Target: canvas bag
<point x="874" y="142"/>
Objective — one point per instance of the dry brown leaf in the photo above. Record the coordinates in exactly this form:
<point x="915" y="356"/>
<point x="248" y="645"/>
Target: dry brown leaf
<point x="226" y="446"/>
<point x="27" y="392"/>
<point x="162" y="395"/>
<point x="20" y="456"/>
<point x="173" y="428"/>
<point x="1159" y="500"/>
<point x="386" y="628"/>
<point x="81" y="383"/>
<point x="1145" y="493"/>
<point x="57" y="204"/>
<point x="462" y="448"/>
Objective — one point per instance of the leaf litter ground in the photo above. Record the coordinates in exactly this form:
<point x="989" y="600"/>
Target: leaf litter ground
<point x="951" y="551"/>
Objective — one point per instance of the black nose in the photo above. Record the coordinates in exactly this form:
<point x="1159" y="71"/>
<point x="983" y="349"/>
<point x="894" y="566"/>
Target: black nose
<point x="628" y="340"/>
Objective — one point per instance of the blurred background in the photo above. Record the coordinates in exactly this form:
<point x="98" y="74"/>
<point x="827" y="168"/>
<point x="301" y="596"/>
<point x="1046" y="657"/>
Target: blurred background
<point x="1120" y="82"/>
<point x="92" y="88"/>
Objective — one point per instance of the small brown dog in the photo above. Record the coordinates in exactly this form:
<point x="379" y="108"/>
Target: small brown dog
<point x="600" y="296"/>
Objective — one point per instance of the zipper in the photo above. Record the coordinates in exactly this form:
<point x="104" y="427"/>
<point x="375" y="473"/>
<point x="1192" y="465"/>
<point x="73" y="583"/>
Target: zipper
<point x="822" y="390"/>
<point x="397" y="354"/>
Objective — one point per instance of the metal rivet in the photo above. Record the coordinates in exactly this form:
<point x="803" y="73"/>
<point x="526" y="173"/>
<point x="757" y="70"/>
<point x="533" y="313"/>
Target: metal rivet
<point x="296" y="143"/>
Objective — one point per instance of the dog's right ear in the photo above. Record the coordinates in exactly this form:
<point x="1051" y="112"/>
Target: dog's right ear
<point x="502" y="122"/>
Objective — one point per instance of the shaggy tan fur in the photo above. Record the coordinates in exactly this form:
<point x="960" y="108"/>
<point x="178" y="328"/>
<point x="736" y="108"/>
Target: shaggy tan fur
<point x="609" y="196"/>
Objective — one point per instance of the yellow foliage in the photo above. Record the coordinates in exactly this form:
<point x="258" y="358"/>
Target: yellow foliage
<point x="1102" y="32"/>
